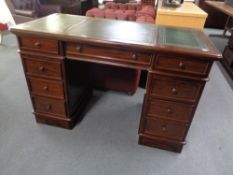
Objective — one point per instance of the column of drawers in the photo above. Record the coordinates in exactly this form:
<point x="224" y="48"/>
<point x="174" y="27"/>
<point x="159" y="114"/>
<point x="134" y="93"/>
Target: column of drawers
<point x="43" y="67"/>
<point x="174" y="87"/>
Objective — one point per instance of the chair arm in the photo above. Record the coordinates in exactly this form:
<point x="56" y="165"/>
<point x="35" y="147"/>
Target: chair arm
<point x="74" y="8"/>
<point x="49" y="9"/>
<point x="28" y="13"/>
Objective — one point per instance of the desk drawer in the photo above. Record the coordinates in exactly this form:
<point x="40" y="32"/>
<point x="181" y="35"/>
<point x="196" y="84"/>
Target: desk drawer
<point x="175" y="88"/>
<point x="42" y="45"/>
<point x="48" y="105"/>
<point x="167" y="109"/>
<point x="184" y="65"/>
<point x="108" y="53"/>
<point x="46" y="88"/>
<point x="43" y="68"/>
<point x="165" y="128"/>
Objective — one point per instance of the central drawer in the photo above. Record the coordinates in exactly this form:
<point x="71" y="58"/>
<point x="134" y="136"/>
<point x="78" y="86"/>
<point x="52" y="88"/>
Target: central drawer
<point x="47" y="88"/>
<point x="80" y="50"/>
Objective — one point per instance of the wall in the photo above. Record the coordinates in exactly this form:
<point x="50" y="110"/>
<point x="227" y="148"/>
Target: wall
<point x="5" y="15"/>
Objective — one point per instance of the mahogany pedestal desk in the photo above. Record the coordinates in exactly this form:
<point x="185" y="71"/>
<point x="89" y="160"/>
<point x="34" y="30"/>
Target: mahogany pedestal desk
<point x="178" y="62"/>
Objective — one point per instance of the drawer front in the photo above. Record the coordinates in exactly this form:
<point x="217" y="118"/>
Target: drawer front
<point x="164" y="128"/>
<point x="174" y="88"/>
<point x="48" y="105"/>
<point x="182" y="65"/>
<point x="228" y="55"/>
<point x="46" y="88"/>
<point x="168" y="109"/>
<point x="108" y="53"/>
<point x="43" y="68"/>
<point x="43" y="45"/>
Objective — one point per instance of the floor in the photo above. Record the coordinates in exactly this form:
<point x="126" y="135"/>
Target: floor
<point x="105" y="142"/>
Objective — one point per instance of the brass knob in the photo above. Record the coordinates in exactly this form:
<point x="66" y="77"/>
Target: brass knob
<point x="48" y="107"/>
<point x="174" y="90"/>
<point x="164" y="128"/>
<point x="79" y="49"/>
<point x="37" y="44"/>
<point x="45" y="88"/>
<point x="42" y="68"/>
<point x="181" y="65"/>
<point x="134" y="56"/>
<point x="169" y="110"/>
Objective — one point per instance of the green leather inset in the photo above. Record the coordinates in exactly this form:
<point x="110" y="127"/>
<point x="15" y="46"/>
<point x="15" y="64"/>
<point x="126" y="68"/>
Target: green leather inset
<point x="181" y="38"/>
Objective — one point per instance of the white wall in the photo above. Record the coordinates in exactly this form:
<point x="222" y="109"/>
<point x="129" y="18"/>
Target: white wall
<point x="5" y="15"/>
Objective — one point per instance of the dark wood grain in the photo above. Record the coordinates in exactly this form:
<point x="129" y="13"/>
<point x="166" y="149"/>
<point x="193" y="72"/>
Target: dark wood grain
<point x="158" y="108"/>
<point x="46" y="88"/>
<point x="38" y="44"/>
<point x="175" y="88"/>
<point x="165" y="128"/>
<point x="182" y="65"/>
<point x="49" y="105"/>
<point x="43" y="68"/>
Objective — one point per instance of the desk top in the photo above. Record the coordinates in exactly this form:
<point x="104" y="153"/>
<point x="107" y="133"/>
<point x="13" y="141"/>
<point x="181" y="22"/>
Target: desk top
<point x="112" y="33"/>
<point x="221" y="6"/>
<point x="186" y="9"/>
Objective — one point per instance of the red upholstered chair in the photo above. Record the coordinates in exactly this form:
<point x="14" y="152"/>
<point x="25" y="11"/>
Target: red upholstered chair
<point x="95" y="12"/>
<point x="145" y="19"/>
<point x="146" y="10"/>
<point x="3" y="26"/>
<point x="125" y="11"/>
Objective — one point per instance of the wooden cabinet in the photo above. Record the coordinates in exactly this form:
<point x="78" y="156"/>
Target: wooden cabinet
<point x="44" y="69"/>
<point x="45" y="78"/>
<point x="173" y="91"/>
<point x="187" y="15"/>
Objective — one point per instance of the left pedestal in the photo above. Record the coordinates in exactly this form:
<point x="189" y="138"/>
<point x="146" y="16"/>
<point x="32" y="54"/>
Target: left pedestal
<point x="44" y="67"/>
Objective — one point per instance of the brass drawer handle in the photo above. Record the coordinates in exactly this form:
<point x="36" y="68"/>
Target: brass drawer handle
<point x="134" y="56"/>
<point x="174" y="91"/>
<point x="48" y="107"/>
<point x="79" y="49"/>
<point x="37" y="44"/>
<point x="42" y="68"/>
<point x="169" y="110"/>
<point x="164" y="128"/>
<point x="45" y="88"/>
<point x="181" y="65"/>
